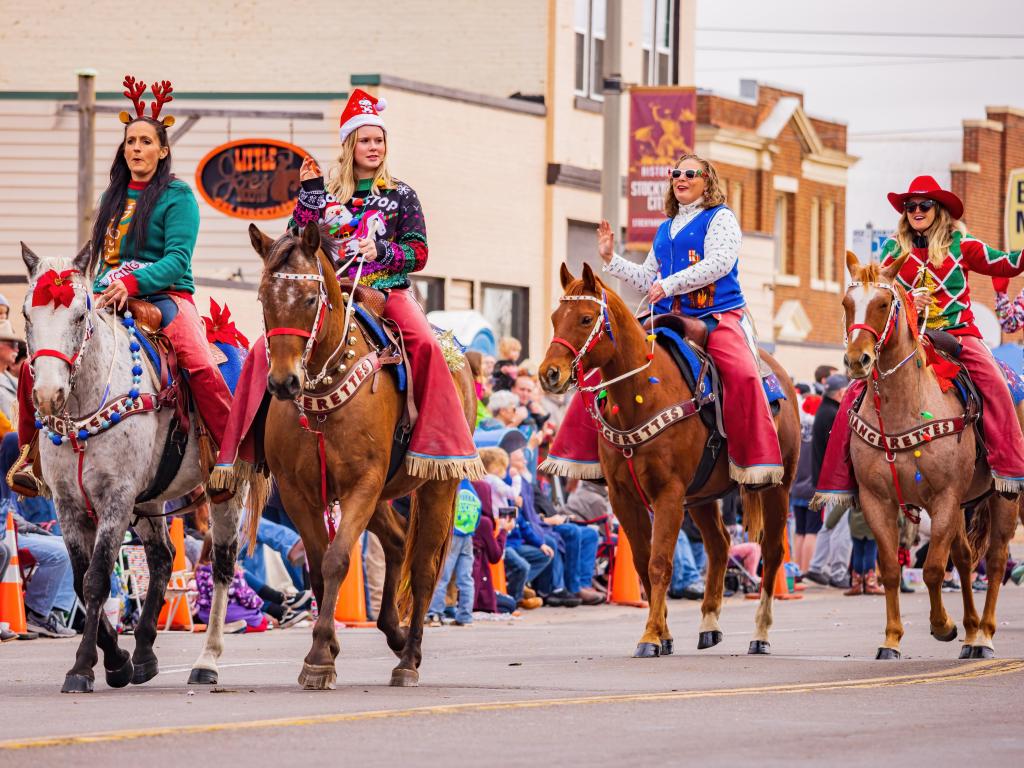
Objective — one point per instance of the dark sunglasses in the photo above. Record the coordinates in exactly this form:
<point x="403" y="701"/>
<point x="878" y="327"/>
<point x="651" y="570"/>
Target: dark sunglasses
<point x="689" y="173"/>
<point x="924" y="206"/>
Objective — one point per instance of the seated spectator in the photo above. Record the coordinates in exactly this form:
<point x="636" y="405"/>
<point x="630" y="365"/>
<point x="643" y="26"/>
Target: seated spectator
<point x="288" y="545"/>
<point x="38" y="510"/>
<point x="50" y="595"/>
<point x="481" y="383"/>
<point x="488" y="550"/>
<point x="686" y="578"/>
<point x="459" y="561"/>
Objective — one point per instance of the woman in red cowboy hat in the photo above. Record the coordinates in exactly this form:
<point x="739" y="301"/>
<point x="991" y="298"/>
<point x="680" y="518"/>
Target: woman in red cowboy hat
<point x="941" y="253"/>
<point x="360" y="185"/>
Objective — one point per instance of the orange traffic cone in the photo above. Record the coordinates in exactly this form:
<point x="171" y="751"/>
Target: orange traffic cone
<point x="351" y="607"/>
<point x="625" y="580"/>
<point x="177" y="587"/>
<point x="12" y="603"/>
<point x="498" y="580"/>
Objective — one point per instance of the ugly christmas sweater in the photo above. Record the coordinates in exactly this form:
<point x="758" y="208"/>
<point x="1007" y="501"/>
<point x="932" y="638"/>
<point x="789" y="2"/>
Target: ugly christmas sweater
<point x="400" y="250"/>
<point x="951" y="295"/>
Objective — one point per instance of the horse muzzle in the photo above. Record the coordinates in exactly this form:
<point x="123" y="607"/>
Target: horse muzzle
<point x="859" y="366"/>
<point x="50" y="401"/>
<point x="554" y="380"/>
<point x="286" y="388"/>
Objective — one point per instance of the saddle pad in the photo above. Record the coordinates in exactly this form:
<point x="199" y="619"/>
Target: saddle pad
<point x="373" y="327"/>
<point x="147" y="347"/>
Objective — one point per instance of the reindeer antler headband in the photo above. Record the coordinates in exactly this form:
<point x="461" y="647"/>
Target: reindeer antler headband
<point x="135" y="90"/>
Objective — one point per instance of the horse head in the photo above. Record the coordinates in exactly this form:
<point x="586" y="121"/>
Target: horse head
<point x="582" y="324"/>
<point x="872" y="307"/>
<point x="58" y="323"/>
<point x="297" y="290"/>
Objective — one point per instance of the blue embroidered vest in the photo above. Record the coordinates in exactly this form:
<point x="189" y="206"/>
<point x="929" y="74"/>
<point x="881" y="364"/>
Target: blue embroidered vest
<point x="674" y="254"/>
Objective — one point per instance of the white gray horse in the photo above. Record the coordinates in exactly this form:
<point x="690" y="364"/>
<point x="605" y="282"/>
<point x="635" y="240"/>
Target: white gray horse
<point x="100" y="449"/>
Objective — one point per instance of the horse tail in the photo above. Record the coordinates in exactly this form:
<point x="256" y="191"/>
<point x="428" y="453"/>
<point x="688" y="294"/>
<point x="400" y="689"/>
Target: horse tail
<point x="256" y="500"/>
<point x="753" y="513"/>
<point x="978" y="530"/>
<point x="403" y="595"/>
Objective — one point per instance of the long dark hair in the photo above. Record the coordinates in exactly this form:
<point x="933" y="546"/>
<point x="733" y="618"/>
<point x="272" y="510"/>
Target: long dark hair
<point x="112" y="202"/>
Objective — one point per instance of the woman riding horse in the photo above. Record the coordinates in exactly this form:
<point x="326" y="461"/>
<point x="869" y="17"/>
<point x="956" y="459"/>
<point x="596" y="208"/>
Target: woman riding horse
<point x="692" y="269"/>
<point x="142" y="244"/>
<point x="360" y="185"/>
<point x="941" y="253"/>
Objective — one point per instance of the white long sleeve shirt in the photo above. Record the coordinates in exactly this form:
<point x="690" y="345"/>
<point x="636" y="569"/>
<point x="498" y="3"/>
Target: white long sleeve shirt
<point x="721" y="250"/>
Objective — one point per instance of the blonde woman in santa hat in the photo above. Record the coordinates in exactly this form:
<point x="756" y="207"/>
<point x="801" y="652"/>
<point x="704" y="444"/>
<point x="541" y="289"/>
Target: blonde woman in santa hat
<point x="360" y="184"/>
<point x="940" y="254"/>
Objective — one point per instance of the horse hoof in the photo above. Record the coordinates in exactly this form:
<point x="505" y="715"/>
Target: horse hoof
<point x="982" y="652"/>
<point x="965" y="652"/>
<point x="119" y="678"/>
<point x="404" y="678"/>
<point x="946" y="638"/>
<point x="146" y="671"/>
<point x="77" y="684"/>
<point x="708" y="639"/>
<point x="318" y="677"/>
<point x="759" y="648"/>
<point x="202" y="676"/>
<point x="647" y="651"/>
<point x="667" y="646"/>
<point x="887" y="654"/>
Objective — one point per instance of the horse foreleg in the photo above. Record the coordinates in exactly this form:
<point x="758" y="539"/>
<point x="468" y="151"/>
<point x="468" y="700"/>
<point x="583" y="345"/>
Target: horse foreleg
<point x="668" y="518"/>
<point x="947" y="523"/>
<point x="882" y="520"/>
<point x="716" y="546"/>
<point x="775" y="503"/>
<point x="387" y="526"/>
<point x="635" y="525"/>
<point x="960" y="550"/>
<point x="153" y="532"/>
<point x="1002" y="524"/>
<point x="426" y="547"/>
<point x="224" y="530"/>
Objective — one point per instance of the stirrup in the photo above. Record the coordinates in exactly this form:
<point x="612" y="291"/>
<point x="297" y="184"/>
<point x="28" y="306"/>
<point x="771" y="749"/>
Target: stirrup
<point x="20" y="477"/>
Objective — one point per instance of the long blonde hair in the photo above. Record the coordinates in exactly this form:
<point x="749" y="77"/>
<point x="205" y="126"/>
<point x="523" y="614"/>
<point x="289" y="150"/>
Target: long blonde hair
<point x="713" y="194"/>
<point x="939" y="234"/>
<point x="341" y="179"/>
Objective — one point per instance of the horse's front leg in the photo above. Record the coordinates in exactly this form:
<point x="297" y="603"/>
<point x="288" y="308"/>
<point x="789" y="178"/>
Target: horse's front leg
<point x="668" y="519"/>
<point x="947" y="524"/>
<point x="775" y="503"/>
<point x="882" y="519"/>
<point x="224" y="529"/>
<point x="635" y="524"/>
<point x="960" y="551"/>
<point x="92" y="584"/>
<point x="716" y="544"/>
<point x="153" y="532"/>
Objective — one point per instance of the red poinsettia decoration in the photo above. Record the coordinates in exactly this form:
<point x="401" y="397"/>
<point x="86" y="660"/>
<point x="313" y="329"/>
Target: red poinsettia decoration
<point x="219" y="327"/>
<point x="54" y="288"/>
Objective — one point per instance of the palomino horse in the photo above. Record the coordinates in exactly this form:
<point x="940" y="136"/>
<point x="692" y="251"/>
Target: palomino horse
<point x="940" y="475"/>
<point x="665" y="466"/>
<point x="344" y="453"/>
<point x="103" y="436"/>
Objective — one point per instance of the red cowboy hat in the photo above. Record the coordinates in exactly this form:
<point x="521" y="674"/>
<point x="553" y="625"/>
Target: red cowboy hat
<point x="926" y="186"/>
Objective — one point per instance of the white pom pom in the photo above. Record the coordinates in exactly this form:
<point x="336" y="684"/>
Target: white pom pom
<point x="381" y="104"/>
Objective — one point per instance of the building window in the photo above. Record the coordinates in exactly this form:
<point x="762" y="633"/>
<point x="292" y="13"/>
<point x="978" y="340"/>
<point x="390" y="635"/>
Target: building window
<point x="828" y="243"/>
<point x="430" y="292"/>
<point x="589" y="24"/>
<point x="460" y="294"/>
<point x="507" y="309"/>
<point x="736" y="200"/>
<point x="660" y="42"/>
<point x="784" y="262"/>
<point x="815" y="249"/>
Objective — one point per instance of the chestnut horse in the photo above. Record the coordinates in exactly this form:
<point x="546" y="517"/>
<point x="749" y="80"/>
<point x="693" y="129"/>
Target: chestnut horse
<point x="884" y="346"/>
<point x="299" y="291"/>
<point x="665" y="465"/>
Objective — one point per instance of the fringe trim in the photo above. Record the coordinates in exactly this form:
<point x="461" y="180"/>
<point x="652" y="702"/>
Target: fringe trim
<point x="445" y="469"/>
<point x="756" y="475"/>
<point x="227" y="477"/>
<point x="574" y="470"/>
<point x="829" y="501"/>
<point x="1008" y="485"/>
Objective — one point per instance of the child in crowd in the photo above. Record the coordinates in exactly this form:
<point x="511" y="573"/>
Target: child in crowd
<point x="507" y="367"/>
<point x="496" y="463"/>
<point x="460" y="560"/>
<point x="488" y="550"/>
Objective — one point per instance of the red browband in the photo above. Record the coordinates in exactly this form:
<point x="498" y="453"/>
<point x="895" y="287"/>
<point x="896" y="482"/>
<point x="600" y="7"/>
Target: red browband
<point x="289" y="332"/>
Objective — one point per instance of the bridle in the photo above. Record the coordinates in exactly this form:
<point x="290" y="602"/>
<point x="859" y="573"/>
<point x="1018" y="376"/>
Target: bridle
<point x="885" y="336"/>
<point x="74" y="361"/>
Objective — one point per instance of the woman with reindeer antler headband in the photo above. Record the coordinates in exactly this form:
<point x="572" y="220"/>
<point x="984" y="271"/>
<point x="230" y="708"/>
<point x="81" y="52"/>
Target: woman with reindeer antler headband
<point x="142" y="244"/>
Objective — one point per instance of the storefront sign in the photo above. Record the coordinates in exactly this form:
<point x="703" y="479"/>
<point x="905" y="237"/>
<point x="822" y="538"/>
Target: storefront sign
<point x="1015" y="210"/>
<point x="251" y="178"/>
<point x="662" y="126"/>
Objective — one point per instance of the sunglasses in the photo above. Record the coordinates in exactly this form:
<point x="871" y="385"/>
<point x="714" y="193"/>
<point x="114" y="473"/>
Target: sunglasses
<point x="689" y="173"/>
<point x="924" y="206"/>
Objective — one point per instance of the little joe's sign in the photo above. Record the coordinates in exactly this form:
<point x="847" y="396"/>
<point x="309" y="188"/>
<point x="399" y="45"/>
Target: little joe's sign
<point x="251" y="178"/>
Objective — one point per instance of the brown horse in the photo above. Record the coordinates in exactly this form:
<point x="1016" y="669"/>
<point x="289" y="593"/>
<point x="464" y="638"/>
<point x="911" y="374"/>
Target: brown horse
<point x="298" y="291"/>
<point x="666" y="465"/>
<point x="890" y="353"/>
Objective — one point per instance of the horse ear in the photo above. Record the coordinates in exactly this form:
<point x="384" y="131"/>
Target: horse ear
<point x="590" y="280"/>
<point x="30" y="259"/>
<point x="311" y="238"/>
<point x="889" y="272"/>
<point x="83" y="261"/>
<point x="260" y="242"/>
<point x="566" y="275"/>
<point x="852" y="263"/>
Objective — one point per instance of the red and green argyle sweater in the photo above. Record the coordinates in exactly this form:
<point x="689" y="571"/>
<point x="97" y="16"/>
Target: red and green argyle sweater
<point x="951" y="294"/>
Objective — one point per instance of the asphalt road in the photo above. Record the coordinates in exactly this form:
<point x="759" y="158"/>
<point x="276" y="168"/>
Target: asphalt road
<point x="557" y="687"/>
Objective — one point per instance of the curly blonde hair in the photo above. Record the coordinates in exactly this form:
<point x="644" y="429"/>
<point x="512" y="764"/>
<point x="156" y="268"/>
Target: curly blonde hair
<point x="342" y="181"/>
<point x="713" y="194"/>
<point x="939" y="234"/>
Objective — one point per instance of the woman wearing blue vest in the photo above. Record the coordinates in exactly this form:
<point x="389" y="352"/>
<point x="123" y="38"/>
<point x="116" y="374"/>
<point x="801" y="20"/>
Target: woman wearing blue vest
<point x="693" y="269"/>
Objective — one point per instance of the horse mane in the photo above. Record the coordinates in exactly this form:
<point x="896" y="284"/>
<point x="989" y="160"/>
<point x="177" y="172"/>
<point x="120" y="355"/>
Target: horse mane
<point x="282" y="248"/>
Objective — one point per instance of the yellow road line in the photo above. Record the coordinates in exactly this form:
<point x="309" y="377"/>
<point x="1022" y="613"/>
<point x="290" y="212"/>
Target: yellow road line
<point x="970" y="671"/>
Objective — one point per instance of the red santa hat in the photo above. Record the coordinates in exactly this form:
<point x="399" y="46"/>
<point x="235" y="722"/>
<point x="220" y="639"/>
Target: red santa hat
<point x="362" y="109"/>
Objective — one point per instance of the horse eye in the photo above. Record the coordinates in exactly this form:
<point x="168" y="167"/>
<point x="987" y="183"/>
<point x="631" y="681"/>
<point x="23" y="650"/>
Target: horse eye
<point x="586" y="320"/>
<point x="311" y="301"/>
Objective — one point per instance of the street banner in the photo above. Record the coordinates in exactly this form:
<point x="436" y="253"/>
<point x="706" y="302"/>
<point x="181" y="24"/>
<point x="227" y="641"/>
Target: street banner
<point x="662" y="126"/>
<point x="1015" y="210"/>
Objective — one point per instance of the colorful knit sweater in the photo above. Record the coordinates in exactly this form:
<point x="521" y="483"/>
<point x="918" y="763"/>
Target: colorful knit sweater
<point x="951" y="295"/>
<point x="165" y="261"/>
<point x="400" y="250"/>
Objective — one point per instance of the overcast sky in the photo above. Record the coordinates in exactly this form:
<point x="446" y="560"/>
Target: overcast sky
<point x="902" y="89"/>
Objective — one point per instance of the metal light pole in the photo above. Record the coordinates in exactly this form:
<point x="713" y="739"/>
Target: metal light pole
<point x="611" y="74"/>
<point x="86" y="152"/>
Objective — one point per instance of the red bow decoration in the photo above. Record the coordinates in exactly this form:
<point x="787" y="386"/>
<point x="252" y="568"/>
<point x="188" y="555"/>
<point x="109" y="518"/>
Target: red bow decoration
<point x="54" y="288"/>
<point x="219" y="327"/>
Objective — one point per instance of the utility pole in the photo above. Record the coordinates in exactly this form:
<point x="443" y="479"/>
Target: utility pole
<point x="611" y="74"/>
<point x="86" y="152"/>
